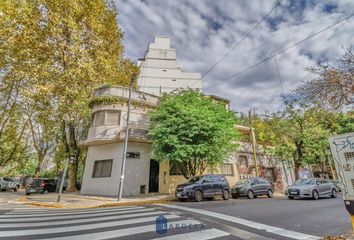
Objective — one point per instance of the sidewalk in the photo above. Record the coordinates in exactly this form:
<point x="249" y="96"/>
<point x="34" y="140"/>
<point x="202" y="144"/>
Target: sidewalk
<point x="76" y="200"/>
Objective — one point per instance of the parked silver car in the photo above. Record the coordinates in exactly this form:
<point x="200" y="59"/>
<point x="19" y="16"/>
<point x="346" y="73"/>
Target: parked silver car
<point x="8" y="184"/>
<point x="252" y="188"/>
<point x="311" y="188"/>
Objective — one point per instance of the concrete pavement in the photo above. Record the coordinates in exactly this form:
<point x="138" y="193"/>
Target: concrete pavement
<point x="76" y="200"/>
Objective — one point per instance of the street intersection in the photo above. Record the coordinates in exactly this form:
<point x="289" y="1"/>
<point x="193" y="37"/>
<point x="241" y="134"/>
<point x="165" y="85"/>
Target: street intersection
<point x="260" y="218"/>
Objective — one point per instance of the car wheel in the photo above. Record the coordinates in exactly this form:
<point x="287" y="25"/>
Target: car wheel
<point x="290" y="197"/>
<point x="16" y="188"/>
<point x="334" y="193"/>
<point x="270" y="193"/>
<point x="225" y="194"/>
<point x="250" y="194"/>
<point x="198" y="196"/>
<point x="27" y="194"/>
<point x="315" y="195"/>
<point x="45" y="191"/>
<point x="182" y="199"/>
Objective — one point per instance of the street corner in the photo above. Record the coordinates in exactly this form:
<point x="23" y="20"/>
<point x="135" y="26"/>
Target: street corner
<point x="71" y="201"/>
<point x="167" y="200"/>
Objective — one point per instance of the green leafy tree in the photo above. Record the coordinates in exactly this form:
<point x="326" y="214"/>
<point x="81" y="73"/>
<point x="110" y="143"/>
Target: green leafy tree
<point x="192" y="131"/>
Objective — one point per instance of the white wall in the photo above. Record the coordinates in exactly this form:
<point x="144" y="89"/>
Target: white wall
<point x="137" y="170"/>
<point x="160" y="72"/>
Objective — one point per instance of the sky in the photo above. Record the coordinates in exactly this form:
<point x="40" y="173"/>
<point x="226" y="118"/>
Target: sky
<point x="203" y="31"/>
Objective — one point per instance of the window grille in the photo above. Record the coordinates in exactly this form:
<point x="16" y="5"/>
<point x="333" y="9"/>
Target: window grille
<point x="226" y="170"/>
<point x="349" y="156"/>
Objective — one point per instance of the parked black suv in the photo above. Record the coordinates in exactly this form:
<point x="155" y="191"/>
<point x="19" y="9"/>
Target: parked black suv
<point x="41" y="185"/>
<point x="205" y="186"/>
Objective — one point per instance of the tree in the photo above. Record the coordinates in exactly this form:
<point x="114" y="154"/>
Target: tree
<point x="333" y="87"/>
<point x="58" y="52"/>
<point x="192" y="131"/>
<point x="296" y="133"/>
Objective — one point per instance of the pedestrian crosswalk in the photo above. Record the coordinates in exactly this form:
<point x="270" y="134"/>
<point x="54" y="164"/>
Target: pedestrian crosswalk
<point x="133" y="222"/>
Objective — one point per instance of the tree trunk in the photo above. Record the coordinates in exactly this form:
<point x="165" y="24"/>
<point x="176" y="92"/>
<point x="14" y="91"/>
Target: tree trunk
<point x="37" y="172"/>
<point x="73" y="166"/>
<point x="298" y="159"/>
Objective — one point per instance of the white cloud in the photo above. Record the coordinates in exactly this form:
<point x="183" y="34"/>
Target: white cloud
<point x="203" y="31"/>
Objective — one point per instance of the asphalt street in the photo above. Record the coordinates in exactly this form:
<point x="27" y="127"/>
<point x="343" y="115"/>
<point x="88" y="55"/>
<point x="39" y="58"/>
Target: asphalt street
<point x="261" y="218"/>
<point x="323" y="217"/>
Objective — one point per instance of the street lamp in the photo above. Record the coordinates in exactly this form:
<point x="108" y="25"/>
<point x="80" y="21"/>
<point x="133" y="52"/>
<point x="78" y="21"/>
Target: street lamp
<point x="120" y="187"/>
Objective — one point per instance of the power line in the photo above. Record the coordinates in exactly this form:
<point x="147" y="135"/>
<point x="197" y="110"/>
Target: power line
<point x="278" y="73"/>
<point x="281" y="51"/>
<point x="242" y="38"/>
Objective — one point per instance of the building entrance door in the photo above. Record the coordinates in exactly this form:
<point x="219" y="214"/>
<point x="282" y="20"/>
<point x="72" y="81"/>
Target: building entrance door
<point x="154" y="176"/>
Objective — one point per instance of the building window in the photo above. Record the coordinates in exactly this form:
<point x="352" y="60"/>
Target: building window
<point x="349" y="156"/>
<point x="175" y="169"/>
<point x="101" y="118"/>
<point x="243" y="161"/>
<point x="269" y="174"/>
<point x="102" y="168"/>
<point x="226" y="170"/>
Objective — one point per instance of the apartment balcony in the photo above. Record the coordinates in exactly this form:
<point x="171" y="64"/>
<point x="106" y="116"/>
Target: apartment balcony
<point x="102" y="134"/>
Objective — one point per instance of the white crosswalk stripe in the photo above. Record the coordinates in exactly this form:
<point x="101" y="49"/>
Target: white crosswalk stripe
<point x="71" y="216"/>
<point x="134" y="222"/>
<point x="9" y="215"/>
<point x="205" y="235"/>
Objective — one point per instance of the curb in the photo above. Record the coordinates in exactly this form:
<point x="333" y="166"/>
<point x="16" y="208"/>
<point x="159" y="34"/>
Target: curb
<point x="102" y="205"/>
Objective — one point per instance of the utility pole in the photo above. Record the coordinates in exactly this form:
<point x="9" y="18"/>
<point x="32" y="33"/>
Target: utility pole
<point x="122" y="170"/>
<point x="329" y="159"/>
<point x="253" y="140"/>
<point x="71" y="160"/>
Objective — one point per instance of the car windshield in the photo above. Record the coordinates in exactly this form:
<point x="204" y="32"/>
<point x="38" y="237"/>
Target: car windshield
<point x="194" y="179"/>
<point x="243" y="181"/>
<point x="305" y="181"/>
<point x="7" y="179"/>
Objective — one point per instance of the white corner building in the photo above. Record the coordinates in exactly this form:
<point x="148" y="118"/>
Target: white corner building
<point x="160" y="73"/>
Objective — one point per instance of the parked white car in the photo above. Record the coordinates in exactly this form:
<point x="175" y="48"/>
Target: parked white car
<point x="311" y="188"/>
<point x="8" y="184"/>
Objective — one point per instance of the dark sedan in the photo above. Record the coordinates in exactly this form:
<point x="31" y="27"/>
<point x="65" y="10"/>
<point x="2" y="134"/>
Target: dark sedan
<point x="41" y="185"/>
<point x="252" y="188"/>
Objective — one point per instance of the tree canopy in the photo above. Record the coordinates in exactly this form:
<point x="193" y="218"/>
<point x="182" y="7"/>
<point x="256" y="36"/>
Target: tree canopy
<point x="333" y="86"/>
<point x="192" y="130"/>
<point x="299" y="133"/>
<point x="53" y="54"/>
